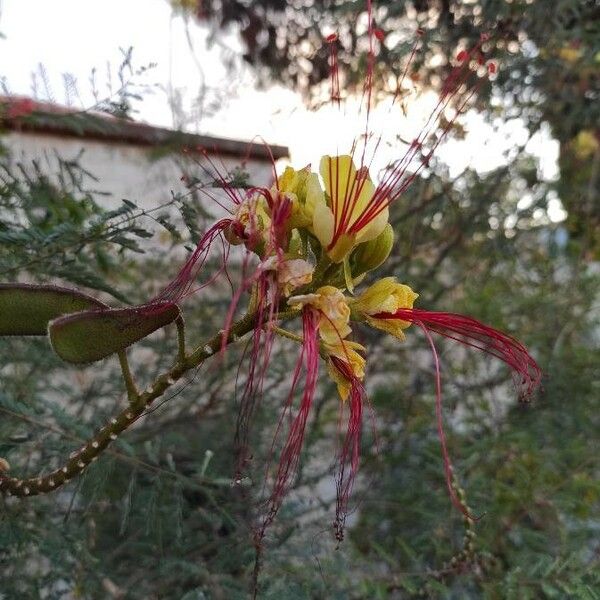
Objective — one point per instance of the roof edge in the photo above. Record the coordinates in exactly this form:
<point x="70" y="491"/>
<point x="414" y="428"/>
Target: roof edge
<point x="18" y="113"/>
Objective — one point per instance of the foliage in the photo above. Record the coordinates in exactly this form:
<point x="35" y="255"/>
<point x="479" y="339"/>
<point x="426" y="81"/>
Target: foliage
<point x="159" y="517"/>
<point x="549" y="64"/>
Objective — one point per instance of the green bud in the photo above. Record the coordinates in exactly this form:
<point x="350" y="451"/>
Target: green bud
<point x="95" y="334"/>
<point x="26" y="309"/>
<point x="370" y="255"/>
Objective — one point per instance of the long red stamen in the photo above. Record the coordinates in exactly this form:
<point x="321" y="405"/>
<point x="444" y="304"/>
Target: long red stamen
<point x="397" y="179"/>
<point x="181" y="286"/>
<point x="400" y="176"/>
<point x="349" y="457"/>
<point x="448" y="469"/>
<point x="471" y="332"/>
<point x="290" y="455"/>
<point x="334" y="69"/>
<point x="262" y="339"/>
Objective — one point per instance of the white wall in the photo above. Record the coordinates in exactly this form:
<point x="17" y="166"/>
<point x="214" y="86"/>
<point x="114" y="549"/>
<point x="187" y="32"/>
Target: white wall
<point x="123" y="169"/>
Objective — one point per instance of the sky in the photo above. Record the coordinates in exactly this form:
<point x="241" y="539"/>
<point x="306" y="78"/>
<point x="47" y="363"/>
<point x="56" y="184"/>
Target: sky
<point x="77" y="36"/>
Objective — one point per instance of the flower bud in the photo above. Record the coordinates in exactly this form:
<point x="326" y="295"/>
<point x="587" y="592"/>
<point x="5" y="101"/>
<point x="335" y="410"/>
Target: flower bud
<point x="372" y="254"/>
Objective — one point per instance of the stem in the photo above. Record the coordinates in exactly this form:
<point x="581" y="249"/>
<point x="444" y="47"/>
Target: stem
<point x="180" y="324"/>
<point x="90" y="451"/>
<point x="132" y="391"/>
<point x="288" y="334"/>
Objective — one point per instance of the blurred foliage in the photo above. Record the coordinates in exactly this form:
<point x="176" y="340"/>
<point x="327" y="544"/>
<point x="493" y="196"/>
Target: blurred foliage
<point x="549" y="63"/>
<point x="158" y="516"/>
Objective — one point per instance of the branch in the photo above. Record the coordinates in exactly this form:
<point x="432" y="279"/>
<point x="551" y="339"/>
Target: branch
<point x="89" y="452"/>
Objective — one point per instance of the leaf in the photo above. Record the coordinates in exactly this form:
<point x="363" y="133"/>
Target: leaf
<point x="95" y="334"/>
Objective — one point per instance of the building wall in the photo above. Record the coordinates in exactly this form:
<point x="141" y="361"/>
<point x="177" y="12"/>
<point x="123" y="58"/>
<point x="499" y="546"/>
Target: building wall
<point x="124" y="170"/>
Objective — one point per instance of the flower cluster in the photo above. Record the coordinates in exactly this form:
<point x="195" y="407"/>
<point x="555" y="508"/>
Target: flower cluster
<point x="310" y="240"/>
<point x="308" y="243"/>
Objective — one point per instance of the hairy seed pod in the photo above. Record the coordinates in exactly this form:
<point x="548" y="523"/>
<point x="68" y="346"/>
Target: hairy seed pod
<point x="89" y="336"/>
<point x="26" y="309"/>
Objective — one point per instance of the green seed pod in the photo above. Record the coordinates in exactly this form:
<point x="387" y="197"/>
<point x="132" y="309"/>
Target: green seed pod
<point x="372" y="254"/>
<point x="89" y="336"/>
<point x="26" y="309"/>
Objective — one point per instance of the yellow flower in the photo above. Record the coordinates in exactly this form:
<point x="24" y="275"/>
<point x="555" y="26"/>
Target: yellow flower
<point x="303" y="189"/>
<point x="252" y="220"/>
<point x="334" y="310"/>
<point x="385" y="296"/>
<point x="348" y="352"/>
<point x="342" y="222"/>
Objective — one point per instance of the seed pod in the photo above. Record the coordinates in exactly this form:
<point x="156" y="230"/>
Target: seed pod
<point x="372" y="254"/>
<point x="89" y="336"/>
<point x="26" y="309"/>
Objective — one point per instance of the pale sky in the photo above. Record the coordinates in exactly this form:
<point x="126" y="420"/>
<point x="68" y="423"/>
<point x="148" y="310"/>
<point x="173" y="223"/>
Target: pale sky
<point x="76" y="36"/>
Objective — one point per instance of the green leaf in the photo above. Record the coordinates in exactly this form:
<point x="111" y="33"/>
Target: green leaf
<point x="95" y="334"/>
<point x="27" y="309"/>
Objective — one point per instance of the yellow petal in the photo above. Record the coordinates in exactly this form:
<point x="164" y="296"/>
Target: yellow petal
<point x="349" y="191"/>
<point x="374" y="228"/>
<point x="323" y="223"/>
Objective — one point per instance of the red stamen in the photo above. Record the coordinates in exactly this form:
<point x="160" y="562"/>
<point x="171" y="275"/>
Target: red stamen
<point x="473" y="333"/>
<point x="349" y="457"/>
<point x="448" y="469"/>
<point x="398" y="178"/>
<point x="290" y="455"/>
<point x="334" y="69"/>
<point x="181" y="286"/>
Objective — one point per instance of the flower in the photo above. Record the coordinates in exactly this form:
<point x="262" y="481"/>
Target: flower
<point x="385" y="296"/>
<point x="251" y="221"/>
<point x="320" y="236"/>
<point x="338" y="222"/>
<point x="333" y="309"/>
<point x="304" y="191"/>
<point x="346" y="353"/>
<point x="294" y="273"/>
